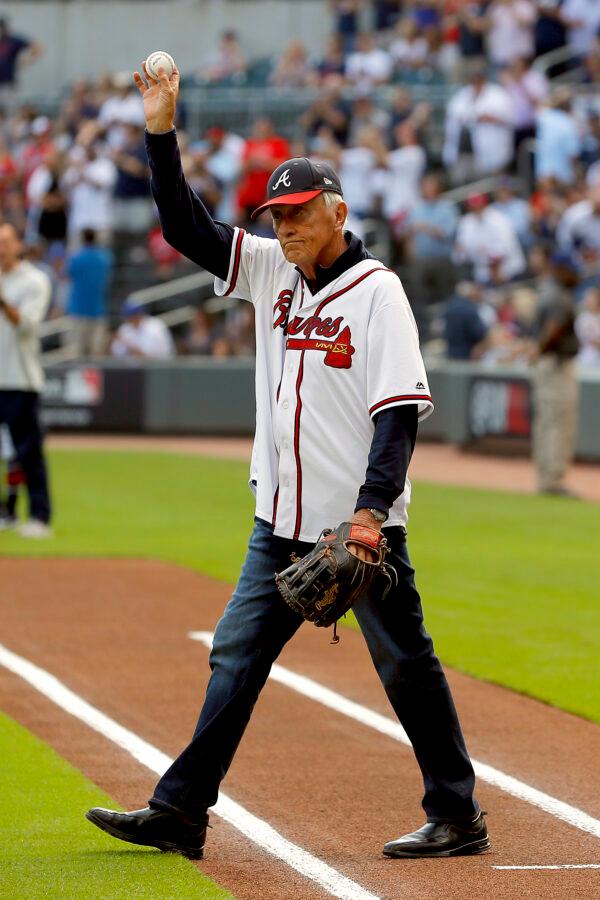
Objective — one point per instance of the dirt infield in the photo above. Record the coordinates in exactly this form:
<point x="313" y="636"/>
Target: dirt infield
<point x="440" y="463"/>
<point x="116" y="632"/>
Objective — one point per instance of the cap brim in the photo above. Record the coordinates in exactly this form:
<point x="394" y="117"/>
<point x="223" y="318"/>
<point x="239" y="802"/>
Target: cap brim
<point x="288" y="199"/>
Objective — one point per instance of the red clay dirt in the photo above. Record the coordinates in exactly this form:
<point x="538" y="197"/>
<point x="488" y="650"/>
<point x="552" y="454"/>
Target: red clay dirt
<point x="116" y="632"/>
<point x="440" y="463"/>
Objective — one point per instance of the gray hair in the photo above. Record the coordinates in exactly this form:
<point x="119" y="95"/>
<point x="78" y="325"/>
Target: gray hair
<point x="332" y="198"/>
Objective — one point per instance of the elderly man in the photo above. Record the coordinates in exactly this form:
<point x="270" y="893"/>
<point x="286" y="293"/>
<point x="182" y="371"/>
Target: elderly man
<point x="24" y="300"/>
<point x="339" y="385"/>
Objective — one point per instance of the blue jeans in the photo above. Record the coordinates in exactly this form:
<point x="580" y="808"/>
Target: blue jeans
<point x="256" y="625"/>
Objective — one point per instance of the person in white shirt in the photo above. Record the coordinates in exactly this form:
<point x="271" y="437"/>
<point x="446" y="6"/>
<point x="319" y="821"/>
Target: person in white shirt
<point x="24" y="301"/>
<point x="123" y="107"/>
<point x="583" y="20"/>
<point x="89" y="182"/>
<point x="482" y="113"/>
<point x="141" y="335"/>
<point x="587" y="329"/>
<point x="369" y="65"/>
<point x="486" y="239"/>
<point x="399" y="181"/>
<point x="510" y="30"/>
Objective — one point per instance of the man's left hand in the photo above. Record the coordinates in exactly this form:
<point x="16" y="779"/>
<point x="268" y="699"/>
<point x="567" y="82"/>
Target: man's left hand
<point x="364" y="517"/>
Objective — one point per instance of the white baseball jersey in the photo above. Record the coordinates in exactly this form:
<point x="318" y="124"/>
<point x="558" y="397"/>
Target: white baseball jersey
<point x="325" y="365"/>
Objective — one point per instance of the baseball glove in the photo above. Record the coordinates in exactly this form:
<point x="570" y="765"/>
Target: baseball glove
<point x="325" y="584"/>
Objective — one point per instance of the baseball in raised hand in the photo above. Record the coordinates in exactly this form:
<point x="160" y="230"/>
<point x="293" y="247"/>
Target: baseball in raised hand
<point x="160" y="98"/>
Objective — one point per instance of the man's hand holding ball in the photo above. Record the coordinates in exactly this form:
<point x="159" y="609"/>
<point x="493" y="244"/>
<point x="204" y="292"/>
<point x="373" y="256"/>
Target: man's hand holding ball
<point x="159" y="91"/>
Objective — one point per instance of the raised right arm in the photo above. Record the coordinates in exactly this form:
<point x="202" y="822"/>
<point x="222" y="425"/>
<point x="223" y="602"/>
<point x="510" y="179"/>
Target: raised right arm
<point x="185" y="221"/>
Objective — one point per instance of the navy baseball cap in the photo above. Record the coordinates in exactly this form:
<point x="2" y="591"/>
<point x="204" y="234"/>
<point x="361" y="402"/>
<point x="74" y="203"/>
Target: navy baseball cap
<point x="299" y="180"/>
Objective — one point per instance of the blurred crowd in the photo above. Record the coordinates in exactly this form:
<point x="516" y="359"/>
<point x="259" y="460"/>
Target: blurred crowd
<point x="527" y="148"/>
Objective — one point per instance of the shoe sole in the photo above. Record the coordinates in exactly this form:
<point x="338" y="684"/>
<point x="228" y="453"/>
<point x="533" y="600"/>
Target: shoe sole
<point x="471" y="849"/>
<point x="164" y="846"/>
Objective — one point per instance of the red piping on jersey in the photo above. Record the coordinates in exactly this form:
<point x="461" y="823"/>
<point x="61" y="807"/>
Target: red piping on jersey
<point x="236" y="262"/>
<point x="275" y="501"/>
<point x="349" y="287"/>
<point x="297" y="448"/>
<point x="401" y="397"/>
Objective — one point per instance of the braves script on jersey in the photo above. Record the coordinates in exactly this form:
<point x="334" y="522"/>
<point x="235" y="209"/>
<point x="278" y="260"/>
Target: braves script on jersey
<point x="325" y="365"/>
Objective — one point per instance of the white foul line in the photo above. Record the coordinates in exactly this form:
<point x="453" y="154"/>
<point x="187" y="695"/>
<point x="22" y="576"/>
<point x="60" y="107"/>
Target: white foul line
<point x="255" y="829"/>
<point x="561" y="866"/>
<point x="513" y="786"/>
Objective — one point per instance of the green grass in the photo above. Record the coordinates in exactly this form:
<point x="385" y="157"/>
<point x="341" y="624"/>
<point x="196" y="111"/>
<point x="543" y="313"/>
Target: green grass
<point x="509" y="582"/>
<point x="49" y="850"/>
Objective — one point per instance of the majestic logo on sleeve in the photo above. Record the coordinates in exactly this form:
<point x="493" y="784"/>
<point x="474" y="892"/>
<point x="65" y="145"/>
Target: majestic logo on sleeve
<point x="283" y="179"/>
<point x="313" y="330"/>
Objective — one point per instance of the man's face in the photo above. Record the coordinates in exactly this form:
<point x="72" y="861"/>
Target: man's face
<point x="305" y="230"/>
<point x="10" y="245"/>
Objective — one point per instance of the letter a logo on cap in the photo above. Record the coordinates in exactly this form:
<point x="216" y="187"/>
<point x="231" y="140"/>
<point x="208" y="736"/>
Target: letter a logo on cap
<point x="283" y="179"/>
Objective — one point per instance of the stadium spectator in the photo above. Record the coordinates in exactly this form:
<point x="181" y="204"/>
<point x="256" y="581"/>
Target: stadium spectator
<point x="430" y="229"/>
<point x="346" y="15"/>
<point x="329" y="110"/>
<point x="550" y="31"/>
<point x="368" y="65"/>
<point x="24" y="301"/>
<point x="558" y="140"/>
<point x="464" y="328"/>
<point x="224" y="152"/>
<point x="471" y="29"/>
<point x="36" y="148"/>
<point x="48" y="206"/>
<point x="578" y="231"/>
<point x="292" y="69"/>
<point x="15" y="50"/>
<point x="227" y="65"/>
<point x="198" y="340"/>
<point x="141" y="335"/>
<point x="487" y="241"/>
<point x="357" y="166"/>
<point x="587" y="329"/>
<point x="409" y="48"/>
<point x="333" y="61"/>
<point x="121" y="108"/>
<point x="8" y="169"/>
<point x="404" y="109"/>
<point x="516" y="209"/>
<point x="527" y="88"/>
<point x="386" y="13"/>
<point x="132" y="208"/>
<point x="89" y="271"/>
<point x="510" y="30"/>
<point x="365" y="113"/>
<point x="263" y="151"/>
<point x="89" y="181"/>
<point x="479" y="130"/>
<point x="582" y="18"/>
<point x="554" y="378"/>
<point x="399" y="178"/>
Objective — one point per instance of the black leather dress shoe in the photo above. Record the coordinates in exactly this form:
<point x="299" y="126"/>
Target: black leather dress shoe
<point x="153" y="828"/>
<point x="442" y="839"/>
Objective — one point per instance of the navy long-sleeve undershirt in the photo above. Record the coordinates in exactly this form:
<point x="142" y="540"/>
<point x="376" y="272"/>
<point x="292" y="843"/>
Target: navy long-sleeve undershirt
<point x="188" y="226"/>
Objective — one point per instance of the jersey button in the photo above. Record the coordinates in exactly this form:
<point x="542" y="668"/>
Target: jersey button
<point x="286" y="404"/>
